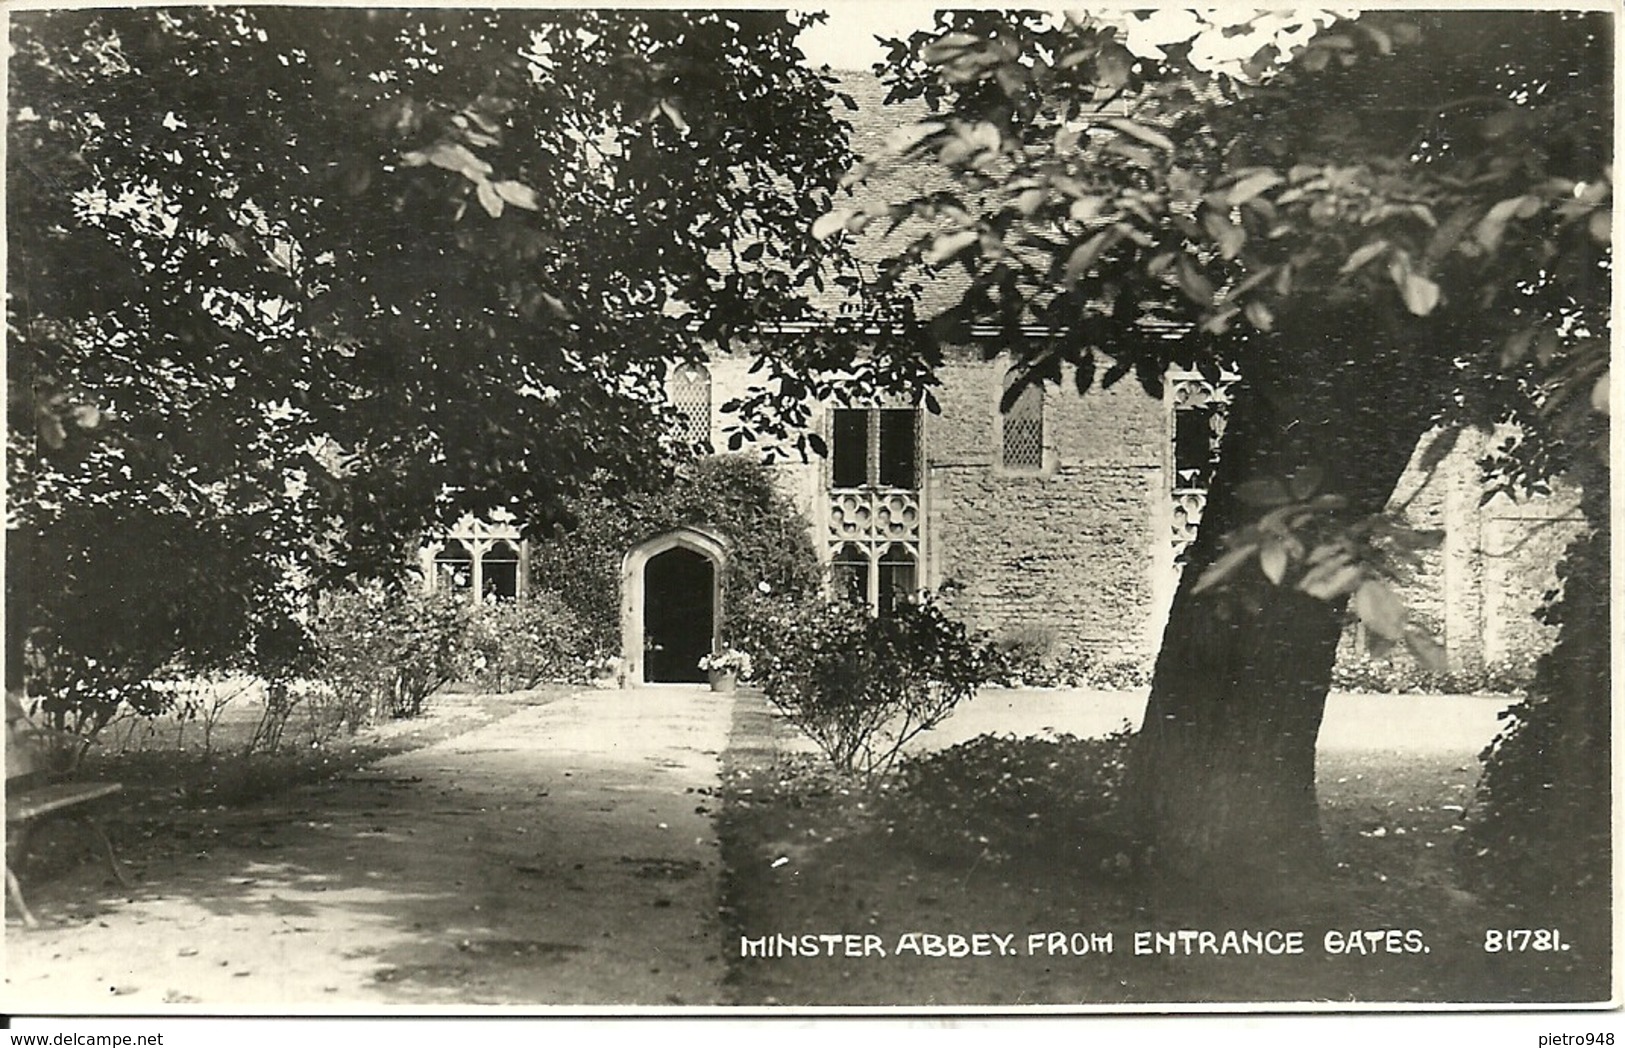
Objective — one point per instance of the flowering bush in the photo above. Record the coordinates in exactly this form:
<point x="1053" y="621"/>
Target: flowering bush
<point x="515" y="645"/>
<point x="382" y="653"/>
<point x="728" y="660"/>
<point x="860" y="687"/>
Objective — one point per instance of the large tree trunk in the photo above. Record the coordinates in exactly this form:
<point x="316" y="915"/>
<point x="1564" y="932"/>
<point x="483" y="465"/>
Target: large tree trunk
<point x="1221" y="780"/>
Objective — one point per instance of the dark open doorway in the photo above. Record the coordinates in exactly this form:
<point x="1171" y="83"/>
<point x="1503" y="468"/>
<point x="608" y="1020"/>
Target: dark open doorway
<point x="679" y="588"/>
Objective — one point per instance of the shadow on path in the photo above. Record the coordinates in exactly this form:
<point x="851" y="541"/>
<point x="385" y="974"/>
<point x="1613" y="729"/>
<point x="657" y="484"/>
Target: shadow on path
<point x="563" y="855"/>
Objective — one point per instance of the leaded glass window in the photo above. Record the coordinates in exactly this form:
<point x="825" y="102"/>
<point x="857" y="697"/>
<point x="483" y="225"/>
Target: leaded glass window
<point x="1023" y="423"/>
<point x="689" y="390"/>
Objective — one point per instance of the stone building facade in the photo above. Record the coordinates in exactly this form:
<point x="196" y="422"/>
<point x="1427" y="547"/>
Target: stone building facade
<point x="1062" y="520"/>
<point x="1053" y="518"/>
<point x="1480" y="590"/>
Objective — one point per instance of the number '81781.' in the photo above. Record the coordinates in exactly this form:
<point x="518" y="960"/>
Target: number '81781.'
<point x="1524" y="940"/>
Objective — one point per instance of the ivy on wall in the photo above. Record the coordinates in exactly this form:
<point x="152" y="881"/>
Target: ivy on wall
<point x="734" y="495"/>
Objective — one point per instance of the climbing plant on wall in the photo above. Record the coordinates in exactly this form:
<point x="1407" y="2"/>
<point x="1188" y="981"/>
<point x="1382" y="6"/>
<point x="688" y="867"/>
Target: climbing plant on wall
<point x="769" y="541"/>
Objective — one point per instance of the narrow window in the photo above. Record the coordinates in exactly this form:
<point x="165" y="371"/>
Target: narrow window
<point x="689" y="390"/>
<point x="849" y="451"/>
<point x="898" y="452"/>
<point x="1194" y="446"/>
<point x="850" y="575"/>
<point x="875" y="446"/>
<point x="898" y="577"/>
<point x="499" y="572"/>
<point x="454" y="567"/>
<point x="1023" y="423"/>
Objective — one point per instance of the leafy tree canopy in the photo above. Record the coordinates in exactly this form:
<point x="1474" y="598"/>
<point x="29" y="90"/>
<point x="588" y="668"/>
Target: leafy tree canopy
<point x="1120" y="210"/>
<point x="289" y="284"/>
<point x="1212" y="193"/>
<point x="1383" y="223"/>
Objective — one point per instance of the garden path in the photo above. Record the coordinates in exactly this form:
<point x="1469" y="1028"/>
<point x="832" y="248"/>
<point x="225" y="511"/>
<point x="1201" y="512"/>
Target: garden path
<point x="564" y="855"/>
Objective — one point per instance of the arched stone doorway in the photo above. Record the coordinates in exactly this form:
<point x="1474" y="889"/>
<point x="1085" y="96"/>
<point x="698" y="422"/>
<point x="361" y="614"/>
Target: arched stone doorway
<point x="671" y="606"/>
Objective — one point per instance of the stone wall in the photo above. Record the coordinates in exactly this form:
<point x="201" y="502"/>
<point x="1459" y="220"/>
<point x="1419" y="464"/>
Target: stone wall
<point x="1077" y="551"/>
<point x="1478" y="591"/>
<point x="1080" y="550"/>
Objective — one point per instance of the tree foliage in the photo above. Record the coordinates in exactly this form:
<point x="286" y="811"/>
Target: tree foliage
<point x="289" y="285"/>
<point x="1125" y="211"/>
<point x="1382" y="223"/>
<point x="1207" y="200"/>
<point x="1540" y="835"/>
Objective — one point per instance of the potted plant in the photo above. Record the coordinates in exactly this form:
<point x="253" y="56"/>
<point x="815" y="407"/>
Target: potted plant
<point x="725" y="667"/>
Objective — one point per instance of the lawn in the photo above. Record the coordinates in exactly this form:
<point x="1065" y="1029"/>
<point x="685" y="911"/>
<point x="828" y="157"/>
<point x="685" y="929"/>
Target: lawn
<point x="809" y="855"/>
<point x="185" y="775"/>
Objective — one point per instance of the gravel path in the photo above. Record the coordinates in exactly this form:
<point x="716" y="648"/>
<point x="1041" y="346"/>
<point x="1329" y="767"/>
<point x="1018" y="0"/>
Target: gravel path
<point x="565" y="855"/>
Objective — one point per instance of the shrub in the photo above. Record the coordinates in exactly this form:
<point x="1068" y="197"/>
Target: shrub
<point x="111" y="602"/>
<point x="1082" y="668"/>
<point x="861" y="687"/>
<point x="1540" y="832"/>
<point x="997" y="797"/>
<point x="515" y="645"/>
<point x="1027" y="652"/>
<point x="1398" y="674"/>
<point x="382" y="654"/>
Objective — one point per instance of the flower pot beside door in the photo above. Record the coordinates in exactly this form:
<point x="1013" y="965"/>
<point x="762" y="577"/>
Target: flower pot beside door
<point x="723" y="668"/>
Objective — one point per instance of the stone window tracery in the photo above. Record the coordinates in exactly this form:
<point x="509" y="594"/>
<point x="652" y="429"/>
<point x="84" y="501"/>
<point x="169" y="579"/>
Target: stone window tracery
<point x="874" y="498"/>
<point x="485" y="559"/>
<point x="1200" y="408"/>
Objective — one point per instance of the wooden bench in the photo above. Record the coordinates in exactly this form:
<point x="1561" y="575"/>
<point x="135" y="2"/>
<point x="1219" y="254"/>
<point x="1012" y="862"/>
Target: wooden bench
<point x="31" y="798"/>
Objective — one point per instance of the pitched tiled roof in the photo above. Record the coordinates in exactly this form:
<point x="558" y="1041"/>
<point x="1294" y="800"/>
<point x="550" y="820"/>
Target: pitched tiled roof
<point x="892" y="179"/>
